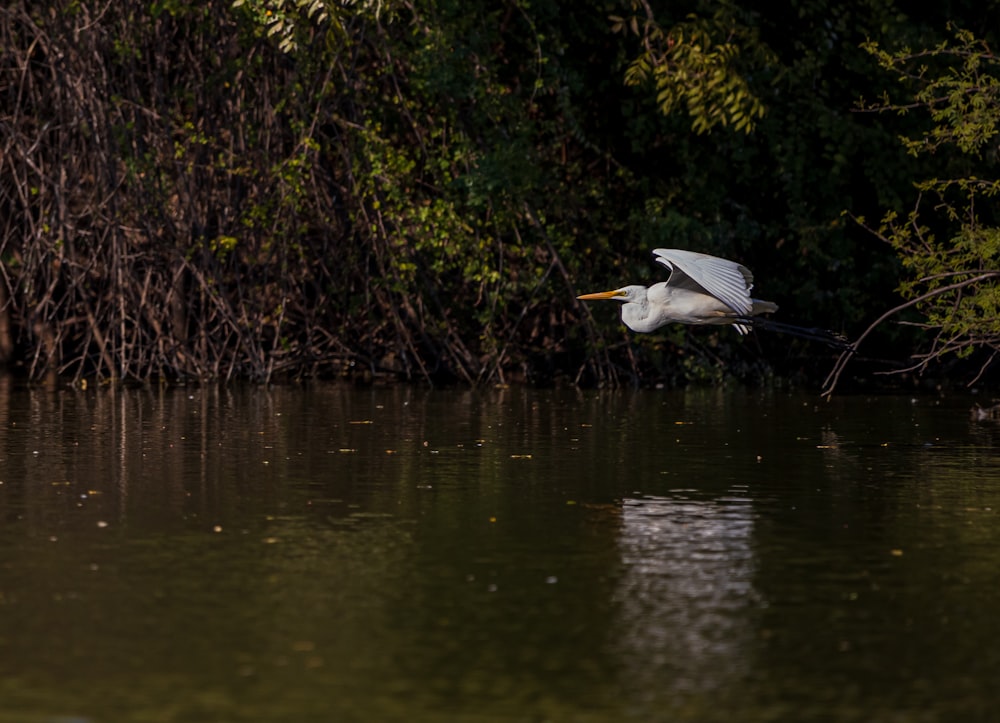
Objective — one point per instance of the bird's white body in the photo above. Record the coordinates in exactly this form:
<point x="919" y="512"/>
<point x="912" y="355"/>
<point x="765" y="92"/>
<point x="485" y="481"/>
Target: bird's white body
<point x="702" y="289"/>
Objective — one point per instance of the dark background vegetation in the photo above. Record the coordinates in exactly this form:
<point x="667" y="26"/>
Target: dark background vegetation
<point x="419" y="190"/>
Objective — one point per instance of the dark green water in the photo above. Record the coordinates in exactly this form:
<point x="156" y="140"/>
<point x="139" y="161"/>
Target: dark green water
<point x="402" y="555"/>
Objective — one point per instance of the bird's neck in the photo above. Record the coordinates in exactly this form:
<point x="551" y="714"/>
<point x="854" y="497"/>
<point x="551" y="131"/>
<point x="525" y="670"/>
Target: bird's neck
<point x="636" y="316"/>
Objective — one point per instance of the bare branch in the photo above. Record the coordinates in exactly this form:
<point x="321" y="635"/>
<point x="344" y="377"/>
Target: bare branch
<point x="830" y="383"/>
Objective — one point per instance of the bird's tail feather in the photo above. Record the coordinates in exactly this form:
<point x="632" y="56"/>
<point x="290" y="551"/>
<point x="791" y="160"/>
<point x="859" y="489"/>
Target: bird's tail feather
<point x="763" y="307"/>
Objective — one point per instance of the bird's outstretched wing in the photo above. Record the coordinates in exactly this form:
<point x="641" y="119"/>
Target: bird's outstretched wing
<point x="727" y="281"/>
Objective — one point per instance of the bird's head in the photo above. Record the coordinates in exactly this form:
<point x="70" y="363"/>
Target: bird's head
<point x="626" y="294"/>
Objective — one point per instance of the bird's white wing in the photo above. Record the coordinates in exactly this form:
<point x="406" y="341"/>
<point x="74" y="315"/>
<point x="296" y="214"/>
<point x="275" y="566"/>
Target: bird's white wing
<point x="727" y="281"/>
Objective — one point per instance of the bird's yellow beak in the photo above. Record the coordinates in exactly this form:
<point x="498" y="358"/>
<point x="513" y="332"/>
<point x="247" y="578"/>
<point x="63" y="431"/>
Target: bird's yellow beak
<point x="602" y="295"/>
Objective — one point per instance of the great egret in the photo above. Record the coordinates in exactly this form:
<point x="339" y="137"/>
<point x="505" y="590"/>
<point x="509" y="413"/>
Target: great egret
<point x="702" y="289"/>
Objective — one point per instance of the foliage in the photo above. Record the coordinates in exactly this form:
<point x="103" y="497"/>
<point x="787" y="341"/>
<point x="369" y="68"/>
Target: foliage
<point x="701" y="63"/>
<point x="955" y="82"/>
<point x="949" y="243"/>
<point x="381" y="188"/>
<point x="291" y="22"/>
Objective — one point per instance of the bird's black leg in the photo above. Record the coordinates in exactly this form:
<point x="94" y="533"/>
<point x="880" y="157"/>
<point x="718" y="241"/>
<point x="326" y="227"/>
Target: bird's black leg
<point x="830" y="338"/>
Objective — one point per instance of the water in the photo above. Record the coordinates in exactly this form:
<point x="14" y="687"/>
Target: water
<point x="509" y="555"/>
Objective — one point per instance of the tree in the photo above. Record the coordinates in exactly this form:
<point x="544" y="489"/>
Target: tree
<point x="949" y="242"/>
<point x="701" y="64"/>
<point x="383" y="188"/>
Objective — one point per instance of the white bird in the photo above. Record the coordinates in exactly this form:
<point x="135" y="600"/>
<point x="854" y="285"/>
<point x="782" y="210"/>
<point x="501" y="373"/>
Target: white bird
<point x="702" y="289"/>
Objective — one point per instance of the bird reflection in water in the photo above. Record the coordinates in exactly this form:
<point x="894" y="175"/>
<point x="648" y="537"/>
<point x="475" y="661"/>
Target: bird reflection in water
<point x="687" y="603"/>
